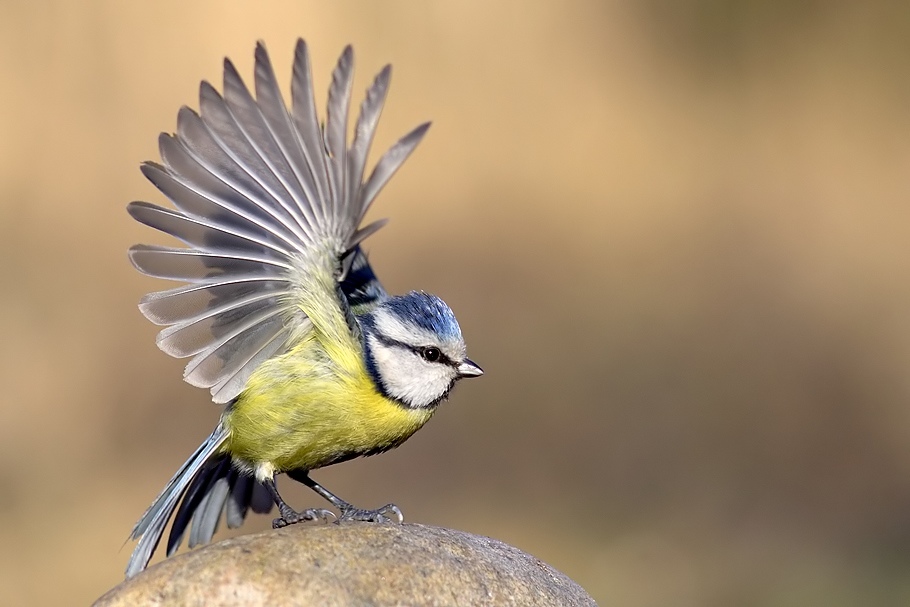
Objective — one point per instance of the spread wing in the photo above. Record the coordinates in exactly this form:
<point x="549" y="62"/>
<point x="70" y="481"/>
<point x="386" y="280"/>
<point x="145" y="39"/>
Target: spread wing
<point x="260" y="188"/>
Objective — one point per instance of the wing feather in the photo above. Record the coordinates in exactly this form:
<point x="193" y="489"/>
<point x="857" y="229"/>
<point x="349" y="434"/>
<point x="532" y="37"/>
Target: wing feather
<point x="210" y="367"/>
<point x="364" y="131"/>
<point x="275" y="114"/>
<point x="185" y="303"/>
<point x="225" y="208"/>
<point x="204" y="234"/>
<point x="192" y="265"/>
<point x="184" y="167"/>
<point x="390" y="162"/>
<point x="269" y="204"/>
<point x="235" y="170"/>
<point x="194" y="335"/>
<point x="303" y="104"/>
<point x="254" y="140"/>
<point x="234" y="376"/>
<point x="337" y="126"/>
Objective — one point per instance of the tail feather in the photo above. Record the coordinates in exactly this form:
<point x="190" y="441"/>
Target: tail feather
<point x="239" y="501"/>
<point x="205" y="486"/>
<point x="246" y="494"/>
<point x="194" y="498"/>
<point x="221" y="488"/>
<point x="205" y="519"/>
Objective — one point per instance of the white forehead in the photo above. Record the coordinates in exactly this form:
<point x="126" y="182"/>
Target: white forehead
<point x="394" y="327"/>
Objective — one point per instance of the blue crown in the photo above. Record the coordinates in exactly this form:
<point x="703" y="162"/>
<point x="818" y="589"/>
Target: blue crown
<point x="427" y="312"/>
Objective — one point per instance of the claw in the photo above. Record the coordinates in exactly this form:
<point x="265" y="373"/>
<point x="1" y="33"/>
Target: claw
<point x="380" y="515"/>
<point x="311" y="514"/>
<point x="321" y="514"/>
<point x="393" y="509"/>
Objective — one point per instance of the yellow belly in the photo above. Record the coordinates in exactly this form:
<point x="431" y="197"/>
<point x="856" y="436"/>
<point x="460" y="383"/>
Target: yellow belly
<point x="304" y="410"/>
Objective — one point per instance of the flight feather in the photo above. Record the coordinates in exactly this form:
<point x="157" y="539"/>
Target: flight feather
<point x="258" y="189"/>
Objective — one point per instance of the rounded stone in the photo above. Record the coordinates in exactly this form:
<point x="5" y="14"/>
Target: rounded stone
<point x="351" y="564"/>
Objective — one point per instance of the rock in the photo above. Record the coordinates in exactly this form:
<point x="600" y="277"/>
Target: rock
<point x="351" y="564"/>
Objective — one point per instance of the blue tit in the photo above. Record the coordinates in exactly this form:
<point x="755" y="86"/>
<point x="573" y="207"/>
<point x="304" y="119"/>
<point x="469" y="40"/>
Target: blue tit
<point x="282" y="316"/>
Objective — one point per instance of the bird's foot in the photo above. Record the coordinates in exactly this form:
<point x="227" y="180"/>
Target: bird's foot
<point x="387" y="514"/>
<point x="292" y="517"/>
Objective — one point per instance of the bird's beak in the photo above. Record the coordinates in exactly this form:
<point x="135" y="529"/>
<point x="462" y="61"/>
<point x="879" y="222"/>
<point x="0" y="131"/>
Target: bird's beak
<point x="468" y="368"/>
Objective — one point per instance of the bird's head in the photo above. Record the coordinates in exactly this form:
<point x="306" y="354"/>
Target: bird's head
<point x="414" y="349"/>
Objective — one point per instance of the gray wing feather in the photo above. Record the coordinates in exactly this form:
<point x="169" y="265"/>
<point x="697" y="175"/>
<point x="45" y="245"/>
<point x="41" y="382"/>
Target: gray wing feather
<point x="387" y="165"/>
<point x="254" y="144"/>
<point x="182" y="304"/>
<point x="203" y="234"/>
<point x="365" y="232"/>
<point x="303" y="104"/>
<point x="194" y="335"/>
<point x="234" y="375"/>
<point x="226" y="207"/>
<point x="257" y="189"/>
<point x="275" y="113"/>
<point x="237" y="170"/>
<point x="210" y="366"/>
<point x="337" y="126"/>
<point x="364" y="131"/>
<point x="192" y="265"/>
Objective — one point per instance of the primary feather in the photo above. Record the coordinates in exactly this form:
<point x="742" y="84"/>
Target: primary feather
<point x="259" y="192"/>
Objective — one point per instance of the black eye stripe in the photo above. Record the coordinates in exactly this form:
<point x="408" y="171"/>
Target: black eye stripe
<point x="418" y="350"/>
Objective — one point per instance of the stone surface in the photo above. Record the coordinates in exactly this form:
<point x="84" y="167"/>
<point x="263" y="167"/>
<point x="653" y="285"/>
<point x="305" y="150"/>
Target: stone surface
<point x="351" y="564"/>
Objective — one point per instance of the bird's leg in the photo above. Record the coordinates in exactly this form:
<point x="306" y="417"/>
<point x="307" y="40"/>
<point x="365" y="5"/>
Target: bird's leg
<point x="289" y="516"/>
<point x="386" y="514"/>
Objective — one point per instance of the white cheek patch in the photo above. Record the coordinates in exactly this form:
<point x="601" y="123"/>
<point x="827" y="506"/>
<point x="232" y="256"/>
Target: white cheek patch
<point x="409" y="378"/>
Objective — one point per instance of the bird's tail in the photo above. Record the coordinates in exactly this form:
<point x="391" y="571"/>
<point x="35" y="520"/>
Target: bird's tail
<point x="205" y="485"/>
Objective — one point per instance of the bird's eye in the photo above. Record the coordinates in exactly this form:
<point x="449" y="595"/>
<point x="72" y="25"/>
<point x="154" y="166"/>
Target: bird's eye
<point x="430" y="354"/>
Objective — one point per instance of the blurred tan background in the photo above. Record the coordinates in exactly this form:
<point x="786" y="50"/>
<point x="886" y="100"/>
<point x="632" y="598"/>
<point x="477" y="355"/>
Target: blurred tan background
<point x="676" y="234"/>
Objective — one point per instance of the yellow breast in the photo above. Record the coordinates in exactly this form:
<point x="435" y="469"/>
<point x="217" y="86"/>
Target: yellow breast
<point x="309" y="408"/>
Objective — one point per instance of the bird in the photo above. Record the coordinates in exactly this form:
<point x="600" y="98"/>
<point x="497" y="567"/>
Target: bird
<point x="279" y="310"/>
